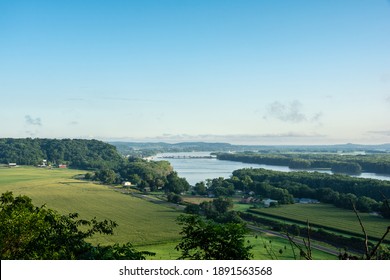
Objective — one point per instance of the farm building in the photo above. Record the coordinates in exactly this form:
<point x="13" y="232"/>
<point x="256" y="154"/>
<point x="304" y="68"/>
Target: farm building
<point x="306" y="200"/>
<point x="12" y="164"/>
<point x="267" y="202"/>
<point x="126" y="184"/>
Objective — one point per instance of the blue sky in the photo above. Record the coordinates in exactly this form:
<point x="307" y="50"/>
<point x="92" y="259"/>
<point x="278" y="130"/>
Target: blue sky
<point x="245" y="72"/>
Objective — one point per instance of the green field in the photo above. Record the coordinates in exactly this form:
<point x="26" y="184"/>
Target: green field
<point x="140" y="222"/>
<point x="329" y="216"/>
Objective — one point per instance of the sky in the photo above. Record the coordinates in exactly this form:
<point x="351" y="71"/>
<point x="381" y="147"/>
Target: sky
<point x="244" y="71"/>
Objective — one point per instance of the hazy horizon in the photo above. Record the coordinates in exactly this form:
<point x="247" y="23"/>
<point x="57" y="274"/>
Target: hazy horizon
<point x="242" y="72"/>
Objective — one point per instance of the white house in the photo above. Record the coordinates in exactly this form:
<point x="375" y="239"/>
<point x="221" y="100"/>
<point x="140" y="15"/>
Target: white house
<point x="267" y="202"/>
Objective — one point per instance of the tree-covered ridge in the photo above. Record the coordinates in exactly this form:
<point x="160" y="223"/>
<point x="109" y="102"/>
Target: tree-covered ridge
<point x="77" y="153"/>
<point x="354" y="164"/>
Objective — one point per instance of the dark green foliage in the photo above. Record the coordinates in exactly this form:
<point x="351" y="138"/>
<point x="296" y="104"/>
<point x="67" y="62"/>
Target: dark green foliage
<point x="106" y="176"/>
<point x="377" y="163"/>
<point x="152" y="174"/>
<point x="366" y="204"/>
<point x="385" y="208"/>
<point x="221" y="187"/>
<point x="218" y="210"/>
<point x="299" y="164"/>
<point x="200" y="188"/>
<point x="207" y="240"/>
<point x="28" y="232"/>
<point x="192" y="209"/>
<point x="346" y="167"/>
<point x="176" y="184"/>
<point x="77" y="153"/>
<point x="174" y="198"/>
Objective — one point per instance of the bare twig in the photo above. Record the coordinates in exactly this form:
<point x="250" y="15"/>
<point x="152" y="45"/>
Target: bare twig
<point x="364" y="231"/>
<point x="308" y="247"/>
<point x="292" y="248"/>
<point x="304" y="253"/>
<point x="270" y="251"/>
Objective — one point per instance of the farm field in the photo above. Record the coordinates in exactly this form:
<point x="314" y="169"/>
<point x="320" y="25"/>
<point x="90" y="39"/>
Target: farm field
<point x="140" y="222"/>
<point x="329" y="216"/>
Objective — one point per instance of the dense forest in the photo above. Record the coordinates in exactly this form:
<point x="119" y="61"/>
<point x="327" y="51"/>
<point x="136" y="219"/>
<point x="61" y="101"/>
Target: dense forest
<point x="338" y="163"/>
<point x="76" y="153"/>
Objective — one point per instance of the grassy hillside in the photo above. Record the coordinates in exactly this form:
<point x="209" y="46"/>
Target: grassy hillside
<point x="140" y="222"/>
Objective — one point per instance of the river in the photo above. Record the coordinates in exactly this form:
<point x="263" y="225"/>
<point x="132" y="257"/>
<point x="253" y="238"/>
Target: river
<point x="199" y="166"/>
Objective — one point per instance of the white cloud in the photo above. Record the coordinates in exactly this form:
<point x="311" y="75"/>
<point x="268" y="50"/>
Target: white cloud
<point x="33" y="121"/>
<point x="291" y="112"/>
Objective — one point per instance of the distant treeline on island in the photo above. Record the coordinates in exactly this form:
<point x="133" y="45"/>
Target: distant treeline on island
<point x="338" y="163"/>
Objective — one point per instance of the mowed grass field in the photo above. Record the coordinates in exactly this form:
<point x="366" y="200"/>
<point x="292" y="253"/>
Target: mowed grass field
<point x="140" y="222"/>
<point x="330" y="216"/>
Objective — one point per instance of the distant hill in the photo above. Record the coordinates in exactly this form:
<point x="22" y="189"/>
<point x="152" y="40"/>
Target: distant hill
<point x="150" y="148"/>
<point x="131" y="148"/>
<point x="76" y="153"/>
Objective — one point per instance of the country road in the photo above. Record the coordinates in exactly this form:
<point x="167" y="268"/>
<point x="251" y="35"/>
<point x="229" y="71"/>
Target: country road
<point x="298" y="241"/>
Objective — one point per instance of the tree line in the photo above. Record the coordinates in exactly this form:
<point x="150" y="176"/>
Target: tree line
<point x="76" y="153"/>
<point x="350" y="164"/>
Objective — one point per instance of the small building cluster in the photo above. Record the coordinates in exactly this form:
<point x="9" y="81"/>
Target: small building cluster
<point x="264" y="202"/>
<point x="45" y="164"/>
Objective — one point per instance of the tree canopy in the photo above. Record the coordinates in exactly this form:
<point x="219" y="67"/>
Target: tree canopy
<point x="77" y="153"/>
<point x="207" y="240"/>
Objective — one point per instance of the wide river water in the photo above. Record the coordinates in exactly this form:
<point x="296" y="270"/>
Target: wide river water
<point x="195" y="167"/>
